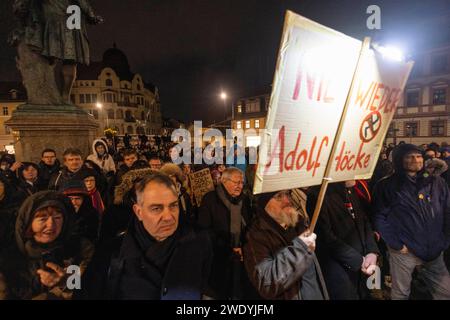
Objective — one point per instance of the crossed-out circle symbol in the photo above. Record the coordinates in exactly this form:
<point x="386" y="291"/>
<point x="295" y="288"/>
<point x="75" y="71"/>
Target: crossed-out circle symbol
<point x="370" y="126"/>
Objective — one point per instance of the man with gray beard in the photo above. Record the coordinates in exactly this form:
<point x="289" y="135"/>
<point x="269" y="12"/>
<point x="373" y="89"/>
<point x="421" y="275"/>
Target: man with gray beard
<point x="279" y="252"/>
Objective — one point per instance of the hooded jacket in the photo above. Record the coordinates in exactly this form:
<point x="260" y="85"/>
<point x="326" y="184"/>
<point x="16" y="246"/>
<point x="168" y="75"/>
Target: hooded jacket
<point x="412" y="211"/>
<point x="18" y="265"/>
<point x="106" y="162"/>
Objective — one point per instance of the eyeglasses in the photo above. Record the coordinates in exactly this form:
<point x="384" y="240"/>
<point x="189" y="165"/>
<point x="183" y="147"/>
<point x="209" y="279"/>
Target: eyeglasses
<point x="237" y="183"/>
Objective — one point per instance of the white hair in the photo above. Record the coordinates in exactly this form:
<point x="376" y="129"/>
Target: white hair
<point x="228" y="172"/>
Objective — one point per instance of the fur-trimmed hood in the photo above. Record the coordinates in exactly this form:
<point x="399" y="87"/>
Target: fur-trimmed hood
<point x="128" y="180"/>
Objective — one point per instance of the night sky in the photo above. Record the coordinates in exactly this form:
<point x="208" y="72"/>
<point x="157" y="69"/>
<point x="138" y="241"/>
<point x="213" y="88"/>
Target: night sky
<point x="193" y="49"/>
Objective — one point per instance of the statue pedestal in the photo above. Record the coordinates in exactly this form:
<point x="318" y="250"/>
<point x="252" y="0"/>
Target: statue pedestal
<point x="36" y="127"/>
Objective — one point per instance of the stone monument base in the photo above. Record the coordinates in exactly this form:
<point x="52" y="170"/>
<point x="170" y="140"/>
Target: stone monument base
<point x="36" y="127"/>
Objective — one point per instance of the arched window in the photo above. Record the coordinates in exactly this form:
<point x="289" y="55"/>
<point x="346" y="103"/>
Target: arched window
<point x="108" y="83"/>
<point x="128" y="114"/>
<point x="130" y="130"/>
<point x="119" y="114"/>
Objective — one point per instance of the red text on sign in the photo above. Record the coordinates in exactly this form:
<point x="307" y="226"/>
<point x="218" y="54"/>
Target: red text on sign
<point x="346" y="161"/>
<point x="378" y="96"/>
<point x="296" y="159"/>
<point x="316" y="86"/>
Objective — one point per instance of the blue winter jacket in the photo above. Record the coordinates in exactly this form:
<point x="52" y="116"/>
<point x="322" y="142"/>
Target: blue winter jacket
<point x="414" y="212"/>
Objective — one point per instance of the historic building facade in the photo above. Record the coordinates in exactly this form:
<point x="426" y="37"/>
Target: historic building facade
<point x="116" y="97"/>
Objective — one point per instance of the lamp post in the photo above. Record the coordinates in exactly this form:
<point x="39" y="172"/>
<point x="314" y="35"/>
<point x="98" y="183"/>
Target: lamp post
<point x="100" y="106"/>
<point x="224" y="97"/>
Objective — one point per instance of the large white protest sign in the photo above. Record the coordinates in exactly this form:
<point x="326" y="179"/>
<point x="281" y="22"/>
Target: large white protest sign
<point x="377" y="88"/>
<point x="314" y="72"/>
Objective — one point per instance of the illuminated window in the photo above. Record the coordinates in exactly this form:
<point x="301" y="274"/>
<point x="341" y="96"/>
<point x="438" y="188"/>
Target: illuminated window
<point x="238" y="125"/>
<point x="256" y="124"/>
<point x="239" y="108"/>
<point x="247" y="124"/>
<point x="439" y="96"/>
<point x="411" y="129"/>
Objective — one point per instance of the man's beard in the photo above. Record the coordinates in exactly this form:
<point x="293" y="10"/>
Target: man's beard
<point x="289" y="217"/>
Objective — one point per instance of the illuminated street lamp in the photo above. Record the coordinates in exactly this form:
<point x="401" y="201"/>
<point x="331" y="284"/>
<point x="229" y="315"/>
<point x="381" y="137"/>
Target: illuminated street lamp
<point x="390" y="52"/>
<point x="100" y="106"/>
<point x="224" y="97"/>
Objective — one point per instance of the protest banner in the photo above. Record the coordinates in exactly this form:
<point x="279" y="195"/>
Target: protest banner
<point x="313" y="75"/>
<point x="333" y="98"/>
<point x="376" y="90"/>
<point x="201" y="184"/>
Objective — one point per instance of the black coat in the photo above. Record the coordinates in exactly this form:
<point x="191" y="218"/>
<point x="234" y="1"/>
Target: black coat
<point x="8" y="213"/>
<point x="46" y="172"/>
<point x="59" y="179"/>
<point x="115" y="221"/>
<point x="87" y="221"/>
<point x="125" y="273"/>
<point x="25" y="189"/>
<point x="343" y="241"/>
<point x="214" y="217"/>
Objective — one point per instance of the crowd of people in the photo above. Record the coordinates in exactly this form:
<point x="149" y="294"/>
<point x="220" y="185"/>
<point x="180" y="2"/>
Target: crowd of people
<point x="128" y="219"/>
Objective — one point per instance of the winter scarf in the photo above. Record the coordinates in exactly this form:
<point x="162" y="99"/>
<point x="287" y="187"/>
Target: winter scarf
<point x="234" y="205"/>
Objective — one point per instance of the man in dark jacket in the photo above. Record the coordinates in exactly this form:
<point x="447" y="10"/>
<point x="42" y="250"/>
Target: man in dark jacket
<point x="130" y="157"/>
<point x="412" y="214"/>
<point x="72" y="170"/>
<point x="225" y="214"/>
<point x="48" y="166"/>
<point x="346" y="246"/>
<point x="159" y="258"/>
<point x="279" y="252"/>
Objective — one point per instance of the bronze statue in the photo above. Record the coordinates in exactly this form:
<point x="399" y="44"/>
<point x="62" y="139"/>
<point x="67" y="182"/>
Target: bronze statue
<point x="48" y="51"/>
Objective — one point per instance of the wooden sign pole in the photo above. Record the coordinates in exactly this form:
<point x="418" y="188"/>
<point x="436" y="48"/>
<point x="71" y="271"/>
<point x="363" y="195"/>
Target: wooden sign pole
<point x="326" y="180"/>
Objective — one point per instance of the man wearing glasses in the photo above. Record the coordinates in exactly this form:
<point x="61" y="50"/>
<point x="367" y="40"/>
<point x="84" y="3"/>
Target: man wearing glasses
<point x="225" y="213"/>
